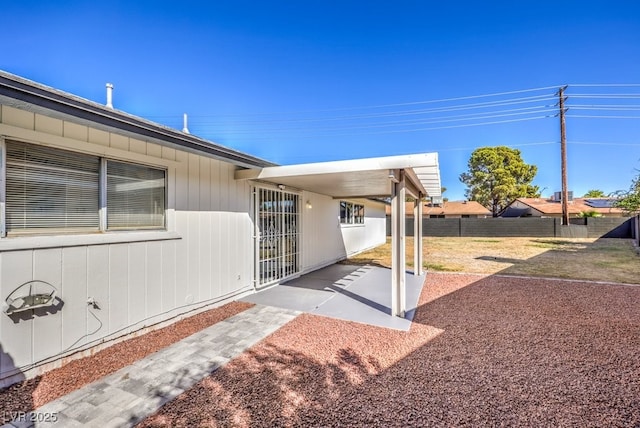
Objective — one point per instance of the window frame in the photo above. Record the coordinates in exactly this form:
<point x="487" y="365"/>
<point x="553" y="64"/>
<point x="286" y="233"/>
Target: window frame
<point x="354" y="213"/>
<point x="102" y="226"/>
<point x="105" y="212"/>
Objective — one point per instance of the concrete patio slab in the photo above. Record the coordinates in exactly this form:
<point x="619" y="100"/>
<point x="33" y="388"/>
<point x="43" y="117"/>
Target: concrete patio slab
<point x="348" y="292"/>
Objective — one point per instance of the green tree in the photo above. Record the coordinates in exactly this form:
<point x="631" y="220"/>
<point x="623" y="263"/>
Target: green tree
<point x="497" y="176"/>
<point x="595" y="193"/>
<point x="629" y="200"/>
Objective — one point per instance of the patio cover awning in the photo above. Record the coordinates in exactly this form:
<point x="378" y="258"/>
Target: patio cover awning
<point x="357" y="178"/>
<point x="394" y="176"/>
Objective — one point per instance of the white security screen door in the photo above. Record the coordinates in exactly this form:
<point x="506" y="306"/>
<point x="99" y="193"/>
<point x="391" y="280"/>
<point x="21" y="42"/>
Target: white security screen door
<point x="277" y="217"/>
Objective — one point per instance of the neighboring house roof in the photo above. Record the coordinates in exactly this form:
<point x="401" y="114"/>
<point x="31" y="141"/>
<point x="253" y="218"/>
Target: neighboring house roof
<point x="448" y="208"/>
<point x="25" y="94"/>
<point x="515" y="212"/>
<point x="545" y="206"/>
<point x="457" y="208"/>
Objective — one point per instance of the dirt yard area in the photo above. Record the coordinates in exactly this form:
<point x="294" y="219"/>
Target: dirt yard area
<point x="482" y="351"/>
<point x="612" y="260"/>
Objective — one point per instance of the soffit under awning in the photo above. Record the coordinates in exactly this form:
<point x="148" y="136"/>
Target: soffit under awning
<point x="357" y="178"/>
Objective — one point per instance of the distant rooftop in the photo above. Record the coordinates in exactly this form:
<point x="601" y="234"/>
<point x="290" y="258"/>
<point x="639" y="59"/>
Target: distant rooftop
<point x="448" y="208"/>
<point x="546" y="206"/>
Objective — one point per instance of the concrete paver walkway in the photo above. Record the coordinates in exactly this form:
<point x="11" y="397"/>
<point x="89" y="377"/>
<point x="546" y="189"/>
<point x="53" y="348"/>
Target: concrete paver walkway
<point x="129" y="395"/>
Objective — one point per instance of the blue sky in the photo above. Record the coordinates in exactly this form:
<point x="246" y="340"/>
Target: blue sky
<point x="297" y="82"/>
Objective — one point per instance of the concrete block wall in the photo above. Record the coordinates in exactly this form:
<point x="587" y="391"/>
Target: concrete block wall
<point x="596" y="227"/>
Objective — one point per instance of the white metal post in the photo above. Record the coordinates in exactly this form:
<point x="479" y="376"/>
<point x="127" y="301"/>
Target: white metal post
<point x="255" y="202"/>
<point x="398" y="264"/>
<point x="417" y="236"/>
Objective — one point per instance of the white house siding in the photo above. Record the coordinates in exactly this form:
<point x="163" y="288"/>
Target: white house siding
<point x="357" y="238"/>
<point x="325" y="240"/>
<point x="138" y="282"/>
<point x="134" y="283"/>
<point x="322" y="242"/>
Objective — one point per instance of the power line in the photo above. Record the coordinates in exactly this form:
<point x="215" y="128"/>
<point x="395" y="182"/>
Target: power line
<point x="435" y="101"/>
<point x="518" y="106"/>
<point x="262" y="136"/>
<point x="472" y="106"/>
<point x="475" y="106"/>
<point x="586" y="116"/>
<point x="613" y="85"/>
<point x="544" y="143"/>
<point x="468" y="97"/>
<point x="424" y="121"/>
<point x="399" y="123"/>
<point x="605" y="96"/>
<point x="603" y="144"/>
<point x="604" y="107"/>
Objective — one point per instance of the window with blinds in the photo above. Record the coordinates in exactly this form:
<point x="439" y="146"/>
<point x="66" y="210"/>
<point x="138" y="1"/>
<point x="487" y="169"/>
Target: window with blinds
<point x="135" y="196"/>
<point x="48" y="188"/>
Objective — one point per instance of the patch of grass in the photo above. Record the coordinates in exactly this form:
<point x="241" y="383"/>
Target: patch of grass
<point x="555" y="244"/>
<point x="608" y="249"/>
<point x="614" y="260"/>
<point x="442" y="268"/>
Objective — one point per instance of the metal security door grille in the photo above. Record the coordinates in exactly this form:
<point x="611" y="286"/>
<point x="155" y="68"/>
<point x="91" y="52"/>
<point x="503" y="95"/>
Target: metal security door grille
<point x="278" y="221"/>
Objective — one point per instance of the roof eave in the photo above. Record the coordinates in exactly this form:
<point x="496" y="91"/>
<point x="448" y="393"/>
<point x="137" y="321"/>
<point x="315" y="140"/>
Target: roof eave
<point x="27" y="93"/>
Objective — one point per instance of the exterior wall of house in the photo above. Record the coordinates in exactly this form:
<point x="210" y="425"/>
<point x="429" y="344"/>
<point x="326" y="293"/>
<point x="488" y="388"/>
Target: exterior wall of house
<point x="357" y="238"/>
<point x="322" y="241"/>
<point x="325" y="240"/>
<point x="137" y="279"/>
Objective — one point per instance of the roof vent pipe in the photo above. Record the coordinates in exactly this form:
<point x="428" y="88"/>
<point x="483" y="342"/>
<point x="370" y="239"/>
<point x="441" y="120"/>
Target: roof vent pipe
<point x="184" y="122"/>
<point x="109" y="95"/>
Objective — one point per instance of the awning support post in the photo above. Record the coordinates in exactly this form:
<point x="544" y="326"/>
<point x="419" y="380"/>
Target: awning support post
<point x="398" y="264"/>
<point x="417" y="236"/>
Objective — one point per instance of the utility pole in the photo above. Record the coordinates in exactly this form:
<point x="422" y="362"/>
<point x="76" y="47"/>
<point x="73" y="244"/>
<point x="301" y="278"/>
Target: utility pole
<point x="563" y="153"/>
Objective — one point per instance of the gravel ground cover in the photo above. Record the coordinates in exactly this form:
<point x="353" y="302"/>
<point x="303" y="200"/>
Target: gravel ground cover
<point x="33" y="393"/>
<point x="483" y="351"/>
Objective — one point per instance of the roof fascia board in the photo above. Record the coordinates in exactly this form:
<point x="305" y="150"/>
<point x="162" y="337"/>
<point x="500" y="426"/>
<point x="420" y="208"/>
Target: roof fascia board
<point x="370" y="197"/>
<point x="354" y="165"/>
